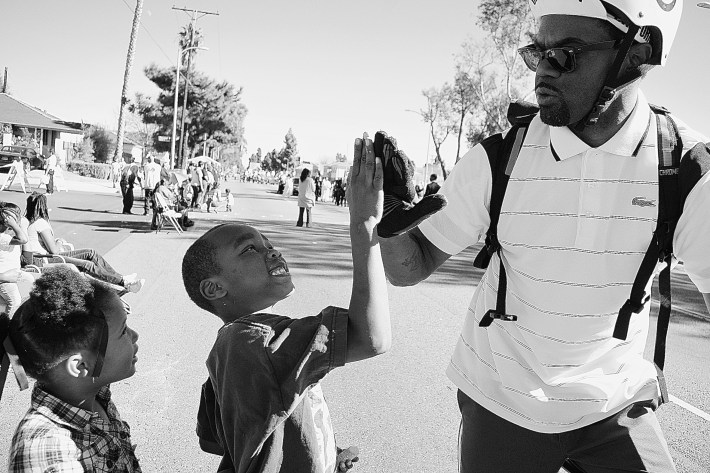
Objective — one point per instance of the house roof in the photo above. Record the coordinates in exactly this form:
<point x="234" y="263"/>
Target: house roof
<point x="127" y="140"/>
<point x="18" y="113"/>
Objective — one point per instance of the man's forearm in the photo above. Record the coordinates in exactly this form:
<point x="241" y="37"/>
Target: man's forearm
<point x="404" y="259"/>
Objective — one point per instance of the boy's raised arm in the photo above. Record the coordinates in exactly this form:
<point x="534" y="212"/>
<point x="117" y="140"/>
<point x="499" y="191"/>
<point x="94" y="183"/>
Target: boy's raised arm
<point x="369" y="331"/>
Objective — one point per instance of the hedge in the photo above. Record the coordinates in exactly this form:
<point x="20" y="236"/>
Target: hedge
<point x="96" y="170"/>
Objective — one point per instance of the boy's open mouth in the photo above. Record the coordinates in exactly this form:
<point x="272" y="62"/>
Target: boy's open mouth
<point x="279" y="270"/>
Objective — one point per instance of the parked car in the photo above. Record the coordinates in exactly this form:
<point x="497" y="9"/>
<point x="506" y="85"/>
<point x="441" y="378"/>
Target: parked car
<point x="9" y="153"/>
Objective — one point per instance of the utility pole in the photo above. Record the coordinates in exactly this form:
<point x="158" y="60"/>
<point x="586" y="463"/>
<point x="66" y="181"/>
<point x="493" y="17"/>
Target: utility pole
<point x="195" y="15"/>
<point x="118" y="154"/>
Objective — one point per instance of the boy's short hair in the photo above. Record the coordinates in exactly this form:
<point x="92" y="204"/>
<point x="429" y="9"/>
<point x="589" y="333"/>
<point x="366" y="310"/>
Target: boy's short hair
<point x="433" y="177"/>
<point x="227" y="191"/>
<point x="62" y="315"/>
<point x="199" y="263"/>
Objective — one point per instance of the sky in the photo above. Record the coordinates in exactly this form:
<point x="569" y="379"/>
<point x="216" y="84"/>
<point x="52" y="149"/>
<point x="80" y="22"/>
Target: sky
<point x="327" y="69"/>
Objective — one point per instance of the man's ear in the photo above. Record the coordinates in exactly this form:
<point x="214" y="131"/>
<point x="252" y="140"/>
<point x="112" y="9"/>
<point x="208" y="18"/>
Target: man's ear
<point x="212" y="289"/>
<point x="78" y="365"/>
<point x="639" y="54"/>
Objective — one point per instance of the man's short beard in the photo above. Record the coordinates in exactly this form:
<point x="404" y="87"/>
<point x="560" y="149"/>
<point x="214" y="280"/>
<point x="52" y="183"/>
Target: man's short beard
<point x="555" y="116"/>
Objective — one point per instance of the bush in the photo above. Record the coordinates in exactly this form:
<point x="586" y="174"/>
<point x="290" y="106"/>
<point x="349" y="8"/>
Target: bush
<point x="96" y="170"/>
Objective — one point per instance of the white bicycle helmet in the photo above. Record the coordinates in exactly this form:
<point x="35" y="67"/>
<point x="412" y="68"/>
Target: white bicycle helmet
<point x="658" y="19"/>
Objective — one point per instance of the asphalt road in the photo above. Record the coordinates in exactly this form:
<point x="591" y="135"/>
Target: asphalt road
<point x="399" y="408"/>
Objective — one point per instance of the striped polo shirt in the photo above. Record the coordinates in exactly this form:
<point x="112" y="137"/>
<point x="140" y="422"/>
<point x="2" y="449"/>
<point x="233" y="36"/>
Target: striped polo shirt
<point x="574" y="226"/>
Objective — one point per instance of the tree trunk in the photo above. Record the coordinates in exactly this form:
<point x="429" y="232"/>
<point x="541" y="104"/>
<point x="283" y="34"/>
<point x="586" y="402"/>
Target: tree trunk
<point x="120" y="134"/>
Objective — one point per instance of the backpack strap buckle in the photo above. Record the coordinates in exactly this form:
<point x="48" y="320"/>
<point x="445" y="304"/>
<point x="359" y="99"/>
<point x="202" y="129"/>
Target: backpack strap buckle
<point x="621" y="329"/>
<point x="492" y="314"/>
<point x="484" y="256"/>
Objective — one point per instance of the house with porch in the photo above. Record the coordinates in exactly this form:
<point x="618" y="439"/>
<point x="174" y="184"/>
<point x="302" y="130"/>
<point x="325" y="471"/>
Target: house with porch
<point x="23" y="124"/>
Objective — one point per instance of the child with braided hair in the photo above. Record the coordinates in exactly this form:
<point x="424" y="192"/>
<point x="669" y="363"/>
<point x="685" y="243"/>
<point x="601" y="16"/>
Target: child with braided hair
<point x="72" y="336"/>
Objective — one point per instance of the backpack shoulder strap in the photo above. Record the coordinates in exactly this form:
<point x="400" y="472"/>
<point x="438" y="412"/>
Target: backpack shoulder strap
<point x="677" y="175"/>
<point x="502" y="156"/>
<point x="660" y="249"/>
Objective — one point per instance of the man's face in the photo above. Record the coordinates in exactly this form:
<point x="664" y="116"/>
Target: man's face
<point x="254" y="274"/>
<point x="566" y="98"/>
<point x="120" y="360"/>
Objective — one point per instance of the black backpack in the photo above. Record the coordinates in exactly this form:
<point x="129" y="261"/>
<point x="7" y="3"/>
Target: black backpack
<point x="677" y="174"/>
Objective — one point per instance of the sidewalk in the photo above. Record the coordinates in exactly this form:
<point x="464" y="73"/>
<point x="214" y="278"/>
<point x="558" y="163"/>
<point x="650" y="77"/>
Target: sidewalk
<point x="72" y="182"/>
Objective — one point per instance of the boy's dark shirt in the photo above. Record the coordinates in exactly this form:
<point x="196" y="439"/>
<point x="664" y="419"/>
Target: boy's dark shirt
<point x="263" y="405"/>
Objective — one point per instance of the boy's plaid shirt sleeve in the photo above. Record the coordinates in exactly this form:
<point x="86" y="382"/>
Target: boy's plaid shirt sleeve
<point x="56" y="437"/>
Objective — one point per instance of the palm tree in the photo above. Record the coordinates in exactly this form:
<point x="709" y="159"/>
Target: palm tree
<point x="118" y="154"/>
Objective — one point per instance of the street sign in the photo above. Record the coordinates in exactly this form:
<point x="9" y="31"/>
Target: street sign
<point x="163" y="138"/>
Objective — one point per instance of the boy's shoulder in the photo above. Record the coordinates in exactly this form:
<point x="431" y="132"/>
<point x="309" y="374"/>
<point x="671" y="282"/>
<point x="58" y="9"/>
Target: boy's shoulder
<point x="254" y="332"/>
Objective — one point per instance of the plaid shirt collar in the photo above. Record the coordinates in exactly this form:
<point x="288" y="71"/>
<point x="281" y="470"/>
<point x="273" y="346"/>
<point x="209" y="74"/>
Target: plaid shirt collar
<point x="63" y="413"/>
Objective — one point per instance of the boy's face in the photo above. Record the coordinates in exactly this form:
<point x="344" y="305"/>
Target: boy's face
<point x="120" y="359"/>
<point x="254" y="274"/>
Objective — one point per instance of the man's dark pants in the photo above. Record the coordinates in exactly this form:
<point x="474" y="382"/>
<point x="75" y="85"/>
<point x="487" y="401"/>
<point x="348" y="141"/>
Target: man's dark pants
<point x="629" y="441"/>
<point x="148" y="201"/>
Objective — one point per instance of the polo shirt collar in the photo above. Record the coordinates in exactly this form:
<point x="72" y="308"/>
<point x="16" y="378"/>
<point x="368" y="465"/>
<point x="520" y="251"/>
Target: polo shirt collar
<point x="625" y="142"/>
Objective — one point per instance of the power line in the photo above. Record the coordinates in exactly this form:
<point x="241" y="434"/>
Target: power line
<point x="149" y="35"/>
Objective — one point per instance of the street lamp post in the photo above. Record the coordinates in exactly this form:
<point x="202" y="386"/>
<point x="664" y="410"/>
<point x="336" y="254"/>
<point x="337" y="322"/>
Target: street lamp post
<point x="175" y="105"/>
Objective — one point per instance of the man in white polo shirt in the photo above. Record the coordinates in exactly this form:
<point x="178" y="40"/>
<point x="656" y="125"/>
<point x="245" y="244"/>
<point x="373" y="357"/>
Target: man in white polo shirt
<point x="575" y="224"/>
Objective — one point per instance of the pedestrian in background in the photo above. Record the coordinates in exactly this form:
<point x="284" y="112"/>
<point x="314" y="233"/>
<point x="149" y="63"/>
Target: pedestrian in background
<point x="51" y="167"/>
<point x="195" y="183"/>
<point x="128" y="180"/>
<point x="230" y="200"/>
<point x="17" y="171"/>
<point x="151" y="178"/>
<point x="288" y="186"/>
<point x="326" y="189"/>
<point x="306" y="197"/>
<point x="433" y="186"/>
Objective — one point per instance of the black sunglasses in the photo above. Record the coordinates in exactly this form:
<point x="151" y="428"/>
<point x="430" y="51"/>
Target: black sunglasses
<point x="562" y="58"/>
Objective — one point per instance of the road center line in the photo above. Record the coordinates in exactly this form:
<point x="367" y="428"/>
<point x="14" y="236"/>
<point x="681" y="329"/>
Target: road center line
<point x="689" y="407"/>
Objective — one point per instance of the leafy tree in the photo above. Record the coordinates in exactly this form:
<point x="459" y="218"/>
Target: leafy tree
<point x="462" y="100"/>
<point x="494" y="73"/>
<point x="289" y="154"/>
<point x="102" y="143"/>
<point x="214" y="110"/>
<point x="84" y="150"/>
<point x="341" y="158"/>
<point x="440" y="119"/>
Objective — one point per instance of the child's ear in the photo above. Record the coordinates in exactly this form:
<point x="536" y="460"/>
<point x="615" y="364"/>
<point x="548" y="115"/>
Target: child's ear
<point x="77" y="366"/>
<point x="212" y="289"/>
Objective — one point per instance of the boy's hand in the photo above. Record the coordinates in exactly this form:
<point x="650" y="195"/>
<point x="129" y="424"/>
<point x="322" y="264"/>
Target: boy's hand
<point x="401" y="214"/>
<point x="364" y="190"/>
<point x="347" y="457"/>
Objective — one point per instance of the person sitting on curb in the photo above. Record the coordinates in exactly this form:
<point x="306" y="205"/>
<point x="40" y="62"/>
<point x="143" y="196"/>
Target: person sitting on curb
<point x="262" y="408"/>
<point x="173" y="202"/>
<point x="41" y="249"/>
<point x="12" y="236"/>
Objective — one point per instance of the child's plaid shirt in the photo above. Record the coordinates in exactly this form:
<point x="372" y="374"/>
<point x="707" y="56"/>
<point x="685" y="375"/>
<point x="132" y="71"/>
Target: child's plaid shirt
<point x="57" y="437"/>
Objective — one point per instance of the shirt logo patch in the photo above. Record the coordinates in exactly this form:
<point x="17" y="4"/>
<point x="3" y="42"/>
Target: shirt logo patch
<point x="643" y="202"/>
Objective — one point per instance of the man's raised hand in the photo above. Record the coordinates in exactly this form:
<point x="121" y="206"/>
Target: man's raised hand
<point x="401" y="214"/>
